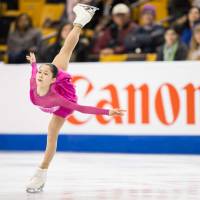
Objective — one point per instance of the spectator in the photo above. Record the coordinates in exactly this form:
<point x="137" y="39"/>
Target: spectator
<point x="102" y="18"/>
<point x="51" y="51"/>
<point x="173" y="49"/>
<point x="112" y="39"/>
<point x="193" y="16"/>
<point x="194" y="53"/>
<point x="148" y="36"/>
<point x="22" y="39"/>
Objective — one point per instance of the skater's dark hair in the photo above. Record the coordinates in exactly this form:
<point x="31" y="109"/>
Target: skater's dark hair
<point x="53" y="68"/>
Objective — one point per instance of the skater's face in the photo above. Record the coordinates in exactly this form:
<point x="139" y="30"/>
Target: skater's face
<point x="44" y="76"/>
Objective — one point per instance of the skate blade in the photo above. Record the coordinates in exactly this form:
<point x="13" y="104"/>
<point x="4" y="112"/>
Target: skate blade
<point x="88" y="6"/>
<point x="33" y="190"/>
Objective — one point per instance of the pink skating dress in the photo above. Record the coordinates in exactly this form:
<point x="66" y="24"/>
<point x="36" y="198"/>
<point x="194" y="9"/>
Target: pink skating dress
<point x="61" y="98"/>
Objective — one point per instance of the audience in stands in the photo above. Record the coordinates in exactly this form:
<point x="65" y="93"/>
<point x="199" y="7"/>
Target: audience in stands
<point x="22" y="39"/>
<point x="173" y="48"/>
<point x="111" y="41"/>
<point x="193" y="17"/>
<point x="103" y="17"/>
<point x="194" y="53"/>
<point x="112" y="31"/>
<point x="148" y="36"/>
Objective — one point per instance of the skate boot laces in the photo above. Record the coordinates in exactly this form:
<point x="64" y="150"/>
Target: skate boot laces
<point x="90" y="9"/>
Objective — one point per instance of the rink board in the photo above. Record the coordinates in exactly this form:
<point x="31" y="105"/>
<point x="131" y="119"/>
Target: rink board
<point x="162" y="102"/>
<point x="105" y="143"/>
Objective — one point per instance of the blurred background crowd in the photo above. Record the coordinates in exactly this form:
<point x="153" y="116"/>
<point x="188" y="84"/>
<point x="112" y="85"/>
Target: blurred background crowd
<point x="164" y="30"/>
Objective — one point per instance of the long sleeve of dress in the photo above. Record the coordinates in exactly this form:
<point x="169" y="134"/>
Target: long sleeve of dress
<point x="83" y="109"/>
<point x="33" y="74"/>
<point x="34" y="70"/>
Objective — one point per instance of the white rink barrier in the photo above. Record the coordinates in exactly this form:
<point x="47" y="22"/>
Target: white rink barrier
<point x="161" y="99"/>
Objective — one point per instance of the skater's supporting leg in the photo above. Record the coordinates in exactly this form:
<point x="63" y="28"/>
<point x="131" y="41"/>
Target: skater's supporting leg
<point x="38" y="180"/>
<point x="53" y="130"/>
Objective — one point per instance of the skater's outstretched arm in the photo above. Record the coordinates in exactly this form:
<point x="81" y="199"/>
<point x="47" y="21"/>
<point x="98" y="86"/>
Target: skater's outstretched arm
<point x="86" y="109"/>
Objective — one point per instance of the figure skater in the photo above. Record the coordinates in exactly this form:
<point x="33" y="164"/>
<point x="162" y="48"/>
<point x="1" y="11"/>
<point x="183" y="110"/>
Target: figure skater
<point x="52" y="91"/>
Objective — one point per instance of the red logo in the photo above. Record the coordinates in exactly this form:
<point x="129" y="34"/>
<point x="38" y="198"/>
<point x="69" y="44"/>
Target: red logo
<point x="175" y="101"/>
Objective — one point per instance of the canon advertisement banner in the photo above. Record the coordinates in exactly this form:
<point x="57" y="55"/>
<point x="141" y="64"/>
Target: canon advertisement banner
<point x="161" y="98"/>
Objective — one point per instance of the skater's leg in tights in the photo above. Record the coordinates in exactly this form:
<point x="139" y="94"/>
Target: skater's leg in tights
<point x="53" y="130"/>
<point x="37" y="182"/>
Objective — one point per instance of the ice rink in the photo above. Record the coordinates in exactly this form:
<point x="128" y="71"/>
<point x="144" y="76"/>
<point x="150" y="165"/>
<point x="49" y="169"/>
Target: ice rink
<point x="80" y="176"/>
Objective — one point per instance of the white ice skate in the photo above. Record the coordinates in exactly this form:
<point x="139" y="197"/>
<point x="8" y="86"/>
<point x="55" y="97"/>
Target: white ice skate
<point x="37" y="182"/>
<point x="84" y="13"/>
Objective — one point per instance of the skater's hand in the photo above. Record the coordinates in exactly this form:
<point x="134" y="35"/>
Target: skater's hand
<point x="116" y="112"/>
<point x="31" y="58"/>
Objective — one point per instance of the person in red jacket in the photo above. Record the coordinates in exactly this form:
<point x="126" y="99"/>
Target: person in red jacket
<point x="111" y="41"/>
